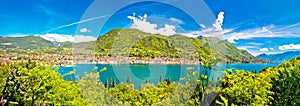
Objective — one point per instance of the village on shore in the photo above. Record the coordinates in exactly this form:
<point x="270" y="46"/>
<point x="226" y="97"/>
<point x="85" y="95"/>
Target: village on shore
<point x="67" y="60"/>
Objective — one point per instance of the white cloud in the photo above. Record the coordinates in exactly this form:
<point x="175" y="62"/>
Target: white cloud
<point x="209" y="32"/>
<point x="57" y="37"/>
<point x="269" y="31"/>
<point x="193" y="33"/>
<point x="82" y="38"/>
<point x="215" y="31"/>
<point x="16" y="35"/>
<point x="248" y="34"/>
<point x="84" y="30"/>
<point x="176" y="20"/>
<point x="246" y="47"/>
<point x="272" y="49"/>
<point x="142" y="24"/>
<point x="264" y="49"/>
<point x="289" y="47"/>
<point x="65" y="38"/>
<point x="255" y="44"/>
<point x="219" y="22"/>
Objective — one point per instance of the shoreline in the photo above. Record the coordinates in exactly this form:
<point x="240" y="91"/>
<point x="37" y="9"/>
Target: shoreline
<point x="69" y="60"/>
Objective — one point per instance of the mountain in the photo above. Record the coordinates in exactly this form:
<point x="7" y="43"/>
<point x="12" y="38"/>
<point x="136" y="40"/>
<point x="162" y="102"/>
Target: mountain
<point x="135" y="43"/>
<point x="35" y="42"/>
<point x="279" y="58"/>
<point x="27" y="42"/>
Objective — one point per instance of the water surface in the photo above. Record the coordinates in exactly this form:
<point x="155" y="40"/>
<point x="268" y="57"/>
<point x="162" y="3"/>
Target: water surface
<point x="139" y="73"/>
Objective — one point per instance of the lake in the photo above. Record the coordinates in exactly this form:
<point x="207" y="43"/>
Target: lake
<point x="139" y="73"/>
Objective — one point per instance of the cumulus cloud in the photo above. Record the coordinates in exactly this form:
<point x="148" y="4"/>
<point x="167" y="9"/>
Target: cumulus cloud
<point x="215" y="31"/>
<point x="289" y="47"/>
<point x="57" y="37"/>
<point x="269" y="31"/>
<point x="142" y="24"/>
<point x="272" y="49"/>
<point x="264" y="49"/>
<point x="84" y="30"/>
<point x="219" y="22"/>
<point x="65" y="38"/>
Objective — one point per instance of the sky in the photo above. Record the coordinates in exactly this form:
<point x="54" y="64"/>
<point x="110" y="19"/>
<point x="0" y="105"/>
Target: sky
<point x="259" y="26"/>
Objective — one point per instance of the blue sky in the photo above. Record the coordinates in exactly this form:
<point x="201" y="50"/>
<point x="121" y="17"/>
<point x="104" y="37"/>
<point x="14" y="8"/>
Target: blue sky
<point x="259" y="26"/>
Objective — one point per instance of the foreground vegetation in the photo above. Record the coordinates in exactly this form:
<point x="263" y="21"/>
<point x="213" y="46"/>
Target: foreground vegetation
<point x="272" y="86"/>
<point x="31" y="83"/>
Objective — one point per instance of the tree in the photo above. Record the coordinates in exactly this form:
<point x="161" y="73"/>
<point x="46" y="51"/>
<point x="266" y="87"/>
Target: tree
<point x="37" y="84"/>
<point x="245" y="88"/>
<point x="285" y="82"/>
<point x="128" y="80"/>
<point x="94" y="91"/>
<point x="106" y="83"/>
<point x="160" y="79"/>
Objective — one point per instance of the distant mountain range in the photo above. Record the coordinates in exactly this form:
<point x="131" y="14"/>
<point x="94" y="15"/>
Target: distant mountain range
<point x="279" y="58"/>
<point x="135" y="43"/>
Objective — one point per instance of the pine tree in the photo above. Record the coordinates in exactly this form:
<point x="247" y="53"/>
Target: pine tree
<point x="114" y="83"/>
<point x="106" y="83"/>
<point x="160" y="79"/>
<point x="168" y="81"/>
<point x="110" y="82"/>
<point x="128" y="80"/>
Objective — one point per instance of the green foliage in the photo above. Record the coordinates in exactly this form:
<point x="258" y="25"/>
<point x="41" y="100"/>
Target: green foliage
<point x="147" y="95"/>
<point x="94" y="91"/>
<point x="152" y="46"/>
<point x="273" y="86"/>
<point x="246" y="88"/>
<point x="31" y="83"/>
<point x="225" y="101"/>
<point x="135" y="43"/>
<point x="285" y="80"/>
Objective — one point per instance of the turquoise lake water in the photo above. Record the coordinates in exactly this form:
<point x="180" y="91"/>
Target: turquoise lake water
<point x="139" y="73"/>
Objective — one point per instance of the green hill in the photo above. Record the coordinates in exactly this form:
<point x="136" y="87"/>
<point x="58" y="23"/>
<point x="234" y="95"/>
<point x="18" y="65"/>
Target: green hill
<point x="135" y="43"/>
<point x="27" y="42"/>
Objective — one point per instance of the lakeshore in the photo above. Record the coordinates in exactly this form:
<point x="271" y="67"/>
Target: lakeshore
<point x="69" y="59"/>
